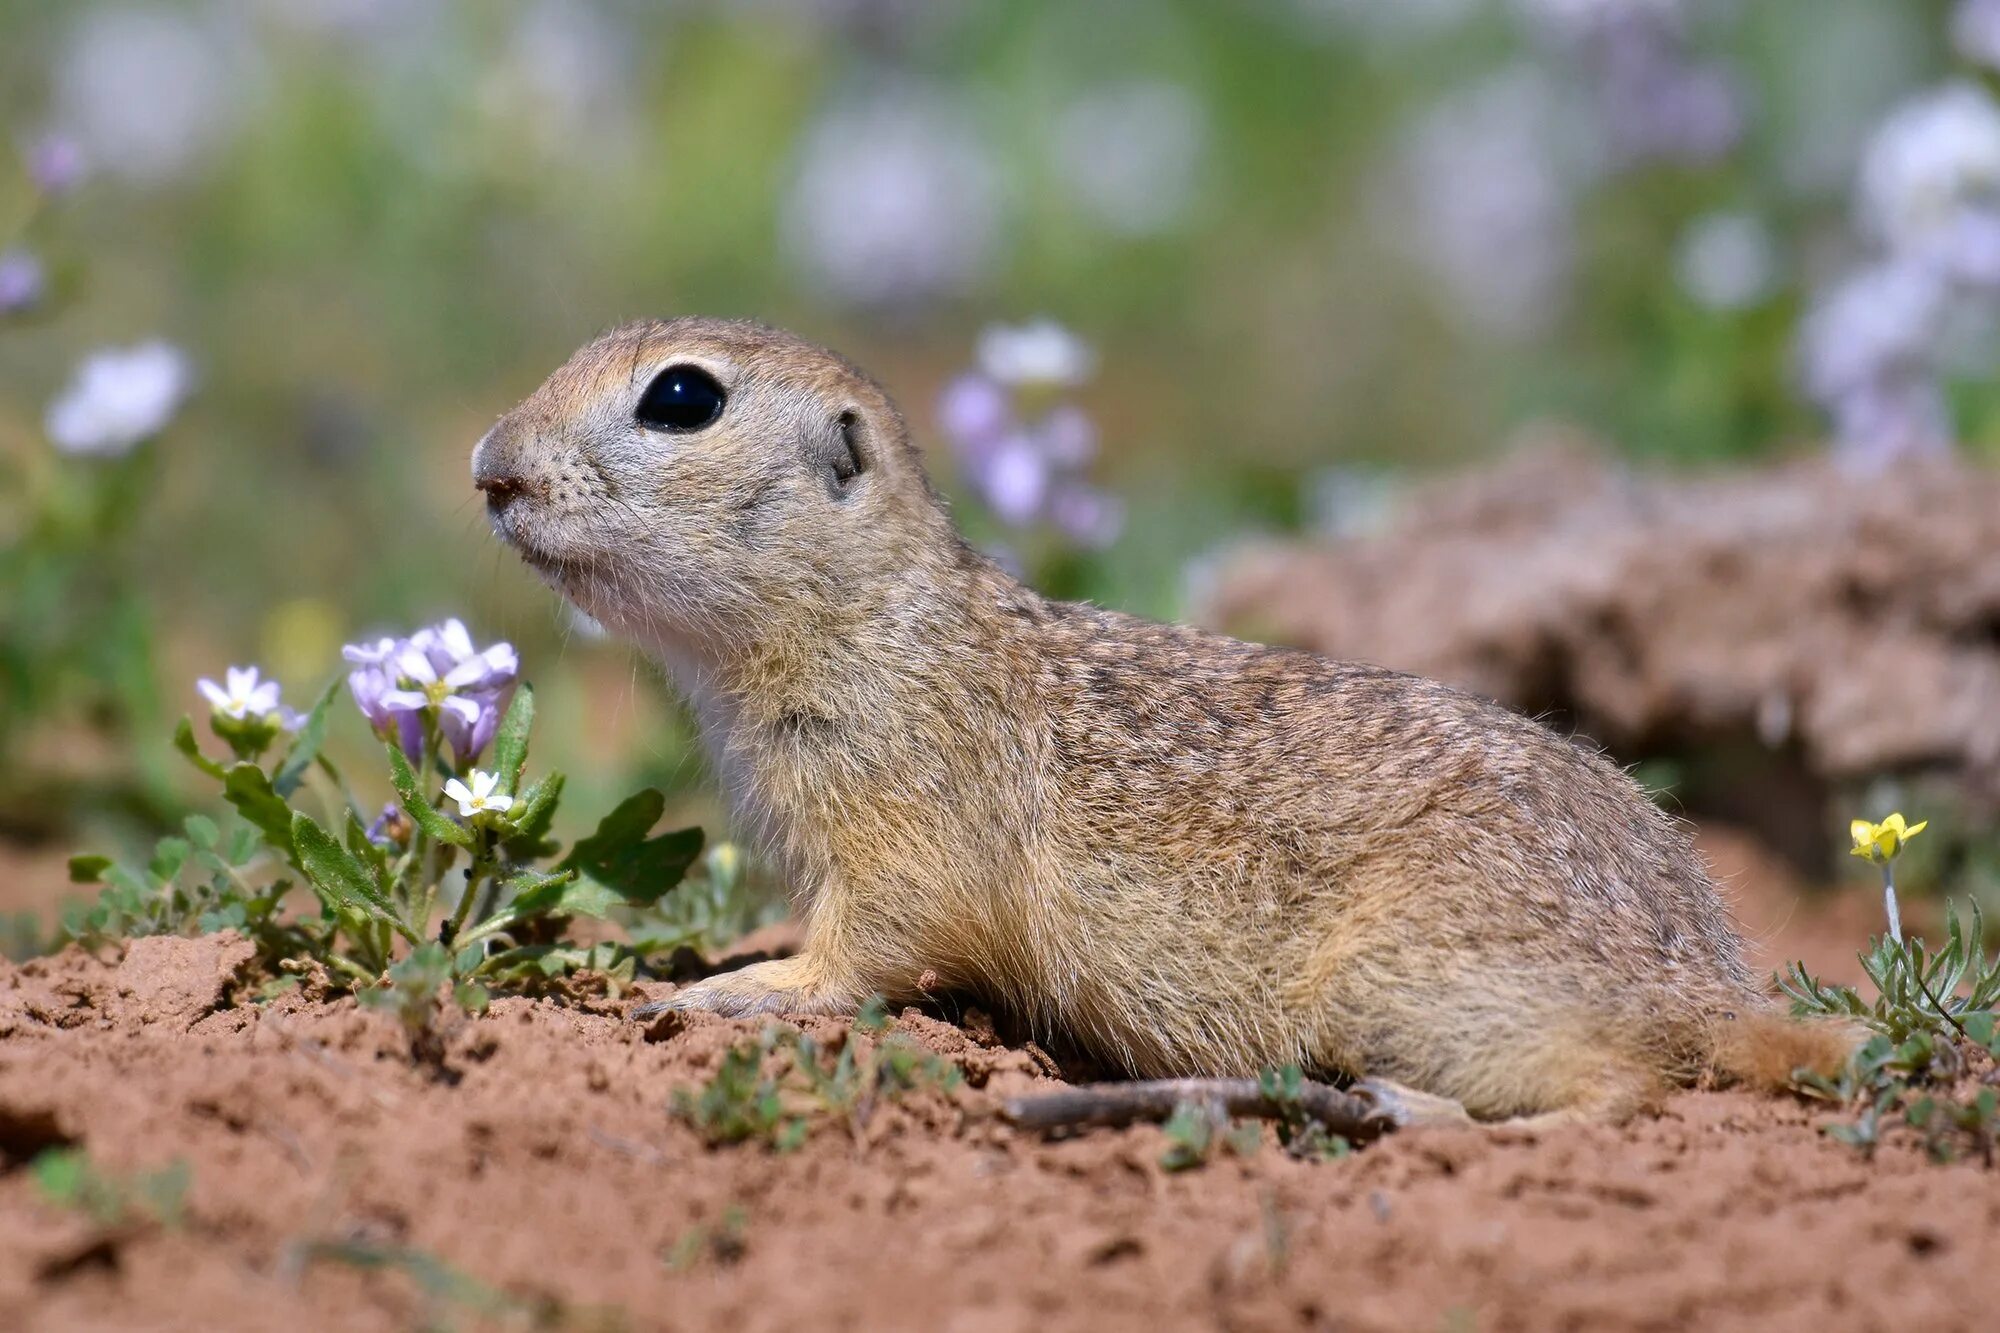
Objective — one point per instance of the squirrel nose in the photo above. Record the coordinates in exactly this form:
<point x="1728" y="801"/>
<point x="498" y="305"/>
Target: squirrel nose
<point x="500" y="491"/>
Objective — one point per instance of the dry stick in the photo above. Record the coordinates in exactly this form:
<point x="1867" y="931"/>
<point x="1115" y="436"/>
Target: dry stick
<point x="1348" y="1114"/>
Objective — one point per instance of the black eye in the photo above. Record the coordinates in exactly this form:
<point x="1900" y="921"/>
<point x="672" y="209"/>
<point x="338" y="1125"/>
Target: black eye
<point x="680" y="398"/>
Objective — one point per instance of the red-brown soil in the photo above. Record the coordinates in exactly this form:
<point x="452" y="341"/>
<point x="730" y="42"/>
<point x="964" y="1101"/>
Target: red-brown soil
<point x="1795" y="630"/>
<point x="552" y="1172"/>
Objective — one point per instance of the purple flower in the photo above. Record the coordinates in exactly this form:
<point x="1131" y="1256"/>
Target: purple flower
<point x="974" y="410"/>
<point x="1087" y="516"/>
<point x="22" y="281"/>
<point x="1020" y="447"/>
<point x="1975" y="31"/>
<point x="438" y="671"/>
<point x="1014" y="480"/>
<point x="55" y="164"/>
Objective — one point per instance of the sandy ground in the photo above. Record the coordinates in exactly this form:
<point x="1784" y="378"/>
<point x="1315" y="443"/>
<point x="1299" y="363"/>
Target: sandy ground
<point x="548" y="1170"/>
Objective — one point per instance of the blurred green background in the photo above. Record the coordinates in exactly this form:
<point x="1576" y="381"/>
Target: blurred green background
<point x="1310" y="240"/>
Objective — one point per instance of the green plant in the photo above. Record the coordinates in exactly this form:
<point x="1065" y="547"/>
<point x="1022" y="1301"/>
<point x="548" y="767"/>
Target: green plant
<point x="1933" y="1025"/>
<point x="421" y="896"/>
<point x="68" y="1178"/>
<point x="773" y="1089"/>
<point x="724" y="1242"/>
<point x="1302" y="1136"/>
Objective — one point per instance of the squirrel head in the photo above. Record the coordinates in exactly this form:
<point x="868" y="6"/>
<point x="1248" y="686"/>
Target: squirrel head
<point x="701" y="482"/>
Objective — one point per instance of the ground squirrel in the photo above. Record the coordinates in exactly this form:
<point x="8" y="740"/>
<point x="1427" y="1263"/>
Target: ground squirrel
<point x="1183" y="853"/>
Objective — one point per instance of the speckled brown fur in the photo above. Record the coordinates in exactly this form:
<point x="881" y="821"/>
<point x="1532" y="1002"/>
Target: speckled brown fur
<point x="1188" y="854"/>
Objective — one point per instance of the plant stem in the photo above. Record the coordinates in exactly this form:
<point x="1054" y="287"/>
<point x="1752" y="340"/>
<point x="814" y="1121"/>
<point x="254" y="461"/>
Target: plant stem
<point x="1889" y="902"/>
<point x="482" y="865"/>
<point x="427" y="890"/>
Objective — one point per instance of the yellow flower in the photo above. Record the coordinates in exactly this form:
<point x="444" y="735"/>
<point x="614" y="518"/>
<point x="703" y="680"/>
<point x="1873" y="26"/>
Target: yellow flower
<point x="1881" y="843"/>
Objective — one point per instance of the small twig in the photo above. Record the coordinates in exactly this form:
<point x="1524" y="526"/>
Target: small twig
<point x="1356" y="1116"/>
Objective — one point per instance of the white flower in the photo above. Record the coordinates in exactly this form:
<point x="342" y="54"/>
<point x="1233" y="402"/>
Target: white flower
<point x="1933" y="158"/>
<point x="1041" y="352"/>
<point x="118" y="397"/>
<point x="481" y="796"/>
<point x="895" y="199"/>
<point x="147" y="91"/>
<point x="244" y="696"/>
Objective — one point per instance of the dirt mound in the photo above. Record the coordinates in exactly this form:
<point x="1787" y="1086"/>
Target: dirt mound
<point x="1845" y="628"/>
<point x="333" y="1185"/>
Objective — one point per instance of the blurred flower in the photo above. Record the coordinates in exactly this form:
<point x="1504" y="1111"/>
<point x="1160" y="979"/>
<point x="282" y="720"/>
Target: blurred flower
<point x="1086" y="515"/>
<point x="563" y="84"/>
<point x="55" y="164"/>
<point x="392" y="828"/>
<point x="245" y="695"/>
<point x="117" y="398"/>
<point x="1654" y="100"/>
<point x="1041" y="352"/>
<point x="1866" y="355"/>
<point x="397" y="683"/>
<point x="1934" y="159"/>
<point x="1130" y="154"/>
<point x="1875" y="348"/>
<point x="894" y="200"/>
<point x="146" y="91"/>
<point x="1975" y="31"/>
<point x="22" y="281"/>
<point x="1487" y="202"/>
<point x="1019" y="446"/>
<point x="481" y="797"/>
<point x="1726" y="261"/>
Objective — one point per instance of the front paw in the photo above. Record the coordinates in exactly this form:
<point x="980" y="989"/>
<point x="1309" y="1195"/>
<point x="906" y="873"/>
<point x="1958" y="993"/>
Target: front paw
<point x="780" y="986"/>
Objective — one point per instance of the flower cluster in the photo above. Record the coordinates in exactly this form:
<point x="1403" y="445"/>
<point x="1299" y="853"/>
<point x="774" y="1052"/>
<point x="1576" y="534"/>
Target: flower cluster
<point x="119" y="398"/>
<point x="1020" y="444"/>
<point x="1655" y="100"/>
<point x="434" y="685"/>
<point x="1875" y="346"/>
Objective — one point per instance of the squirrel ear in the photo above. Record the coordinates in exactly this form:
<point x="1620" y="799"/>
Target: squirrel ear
<point x="842" y="451"/>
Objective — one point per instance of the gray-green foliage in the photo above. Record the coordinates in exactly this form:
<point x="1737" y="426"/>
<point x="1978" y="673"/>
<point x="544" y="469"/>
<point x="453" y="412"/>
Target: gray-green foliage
<point x="426" y="899"/>
<point x="774" y="1089"/>
<point x="1933" y="1021"/>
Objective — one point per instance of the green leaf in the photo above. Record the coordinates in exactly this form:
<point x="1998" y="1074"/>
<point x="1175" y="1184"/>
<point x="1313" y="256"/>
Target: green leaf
<point x="510" y="743"/>
<point x="418" y="806"/>
<point x="562" y="894"/>
<point x="184" y="742"/>
<point x="621" y="857"/>
<point x="305" y="746"/>
<point x="202" y="832"/>
<point x="88" y="869"/>
<point x="169" y="855"/>
<point x="243" y="842"/>
<point x="366" y="851"/>
<point x="531" y="818"/>
<point x="342" y="879"/>
<point x="248" y="789"/>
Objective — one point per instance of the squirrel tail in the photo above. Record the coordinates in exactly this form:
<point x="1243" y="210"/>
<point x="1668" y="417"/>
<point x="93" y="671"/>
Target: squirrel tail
<point x="1761" y="1046"/>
